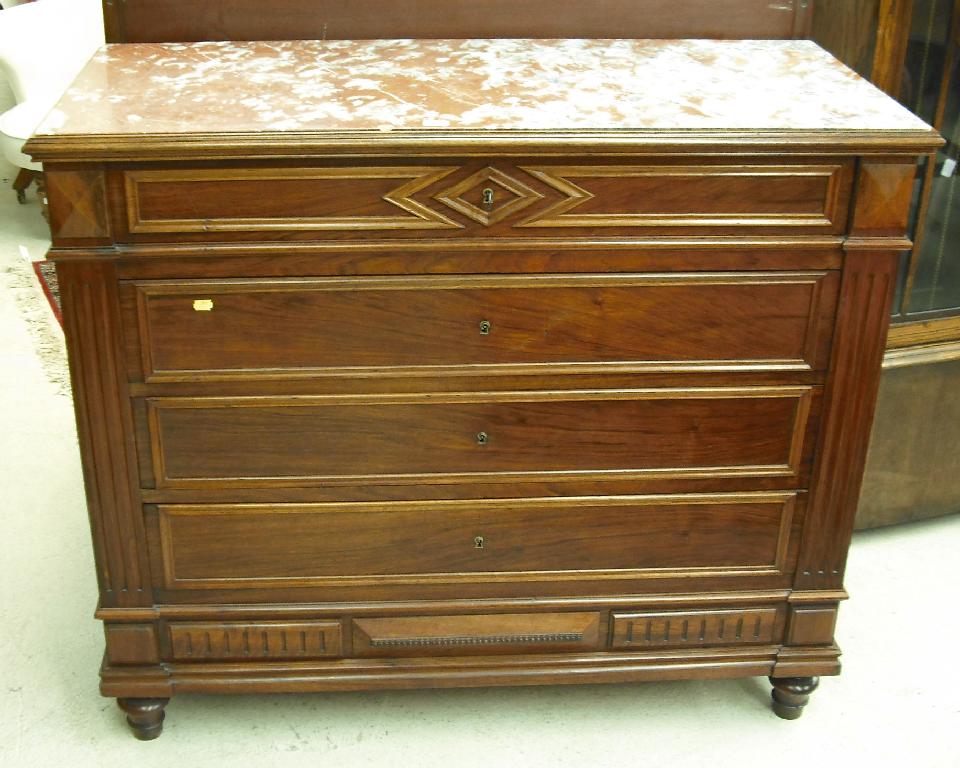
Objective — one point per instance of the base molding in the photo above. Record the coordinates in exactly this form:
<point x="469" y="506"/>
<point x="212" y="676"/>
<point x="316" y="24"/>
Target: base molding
<point x="163" y="680"/>
<point x="231" y="611"/>
<point x="807" y="661"/>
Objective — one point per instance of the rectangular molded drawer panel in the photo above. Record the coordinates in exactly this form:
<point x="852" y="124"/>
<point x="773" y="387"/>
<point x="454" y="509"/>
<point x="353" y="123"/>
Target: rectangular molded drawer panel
<point x="278" y="328"/>
<point x="688" y="629"/>
<point x="448" y="200"/>
<point x="742" y="196"/>
<point x="345" y="199"/>
<point x="475" y="634"/>
<point x="263" y="441"/>
<point x="229" y="546"/>
<point x="269" y="640"/>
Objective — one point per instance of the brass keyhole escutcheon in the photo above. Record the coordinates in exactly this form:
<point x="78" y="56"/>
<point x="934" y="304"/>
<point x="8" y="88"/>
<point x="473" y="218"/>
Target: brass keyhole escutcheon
<point x="485" y="327"/>
<point x="487" y="197"/>
<point x="478" y="542"/>
<point x="482" y="438"/>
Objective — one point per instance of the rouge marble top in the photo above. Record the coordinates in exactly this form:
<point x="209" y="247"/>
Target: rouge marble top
<point x="469" y="85"/>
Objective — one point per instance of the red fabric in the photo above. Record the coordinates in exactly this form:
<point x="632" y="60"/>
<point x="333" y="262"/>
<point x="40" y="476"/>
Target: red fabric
<point x="54" y="302"/>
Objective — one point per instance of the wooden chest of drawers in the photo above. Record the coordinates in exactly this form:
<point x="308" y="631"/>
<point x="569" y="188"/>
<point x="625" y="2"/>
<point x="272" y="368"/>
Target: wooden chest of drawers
<point x="581" y="400"/>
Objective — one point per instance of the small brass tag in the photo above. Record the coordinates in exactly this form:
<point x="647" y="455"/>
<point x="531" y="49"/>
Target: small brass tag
<point x="202" y="305"/>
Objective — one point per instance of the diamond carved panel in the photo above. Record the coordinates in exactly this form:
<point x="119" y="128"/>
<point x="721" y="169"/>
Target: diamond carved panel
<point x="460" y="196"/>
<point x="78" y="204"/>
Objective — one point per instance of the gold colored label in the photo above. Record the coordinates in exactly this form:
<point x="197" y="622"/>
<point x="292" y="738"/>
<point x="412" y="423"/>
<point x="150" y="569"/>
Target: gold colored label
<point x="203" y="305"/>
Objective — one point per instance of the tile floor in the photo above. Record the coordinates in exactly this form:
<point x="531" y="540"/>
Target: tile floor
<point x="897" y="702"/>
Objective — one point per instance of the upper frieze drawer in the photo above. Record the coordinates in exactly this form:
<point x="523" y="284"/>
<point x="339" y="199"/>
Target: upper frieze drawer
<point x="482" y="198"/>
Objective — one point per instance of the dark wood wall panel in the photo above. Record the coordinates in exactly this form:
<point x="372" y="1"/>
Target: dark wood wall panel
<point x="848" y="29"/>
<point x="189" y="20"/>
<point x="911" y="468"/>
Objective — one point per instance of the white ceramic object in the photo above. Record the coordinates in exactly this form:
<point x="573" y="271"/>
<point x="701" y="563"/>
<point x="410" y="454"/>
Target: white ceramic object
<point x="43" y="45"/>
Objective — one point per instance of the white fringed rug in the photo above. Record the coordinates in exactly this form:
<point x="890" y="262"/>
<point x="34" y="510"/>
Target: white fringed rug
<point x="42" y="323"/>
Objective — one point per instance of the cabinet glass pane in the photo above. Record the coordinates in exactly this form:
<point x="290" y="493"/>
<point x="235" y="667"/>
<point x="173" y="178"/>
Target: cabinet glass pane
<point x="926" y="56"/>
<point x="936" y="269"/>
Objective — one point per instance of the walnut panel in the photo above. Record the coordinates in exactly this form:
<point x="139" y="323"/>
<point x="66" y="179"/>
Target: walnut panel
<point x="104" y="429"/>
<point x="884" y="191"/>
<point x="77" y="198"/>
<point x="448" y="437"/>
<point x="245" y="329"/>
<point x="813" y="625"/>
<point x="862" y="321"/>
<point x="569" y="256"/>
<point x="250" y="546"/>
<point x="479" y="634"/>
<point x="680" y="629"/>
<point x="473" y="197"/>
<point x="264" y="199"/>
<point x="131" y="643"/>
<point x="807" y="197"/>
<point x="276" y="640"/>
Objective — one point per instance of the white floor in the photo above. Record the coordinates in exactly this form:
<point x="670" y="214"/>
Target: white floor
<point x="897" y="702"/>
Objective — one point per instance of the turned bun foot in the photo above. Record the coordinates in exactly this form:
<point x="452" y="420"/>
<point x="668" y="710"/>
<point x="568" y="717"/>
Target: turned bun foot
<point x="791" y="694"/>
<point x="144" y="716"/>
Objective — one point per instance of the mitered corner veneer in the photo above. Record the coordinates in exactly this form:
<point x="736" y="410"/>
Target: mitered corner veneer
<point x="524" y="362"/>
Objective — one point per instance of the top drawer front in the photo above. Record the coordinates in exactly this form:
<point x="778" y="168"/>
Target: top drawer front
<point x="196" y="330"/>
<point x="528" y="198"/>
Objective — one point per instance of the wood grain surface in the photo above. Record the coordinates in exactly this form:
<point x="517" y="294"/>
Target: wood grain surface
<point x="182" y="20"/>
<point x="394" y="411"/>
<point x="251" y="329"/>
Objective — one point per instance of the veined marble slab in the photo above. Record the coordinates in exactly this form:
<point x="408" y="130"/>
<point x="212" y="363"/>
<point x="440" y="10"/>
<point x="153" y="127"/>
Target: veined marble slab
<point x="537" y="85"/>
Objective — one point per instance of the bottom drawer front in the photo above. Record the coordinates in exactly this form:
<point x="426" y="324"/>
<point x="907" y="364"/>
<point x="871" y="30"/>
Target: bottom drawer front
<point x="254" y="545"/>
<point x="475" y="634"/>
<point x="210" y="641"/>
<point x="695" y="628"/>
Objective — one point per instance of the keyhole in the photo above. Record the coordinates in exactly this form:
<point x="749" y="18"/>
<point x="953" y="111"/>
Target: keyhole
<point x="487" y="197"/>
<point x="478" y="542"/>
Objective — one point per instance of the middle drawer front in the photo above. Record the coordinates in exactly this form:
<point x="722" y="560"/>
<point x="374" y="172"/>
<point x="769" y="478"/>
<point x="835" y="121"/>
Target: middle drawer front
<point x="281" y="328"/>
<point x="262" y="442"/>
